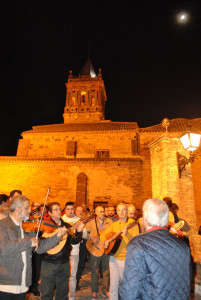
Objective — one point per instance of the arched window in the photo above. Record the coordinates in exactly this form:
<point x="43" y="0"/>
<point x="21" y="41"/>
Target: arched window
<point x="81" y="189"/>
<point x="83" y="98"/>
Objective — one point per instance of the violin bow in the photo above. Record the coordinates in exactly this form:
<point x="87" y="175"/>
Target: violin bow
<point x="42" y="213"/>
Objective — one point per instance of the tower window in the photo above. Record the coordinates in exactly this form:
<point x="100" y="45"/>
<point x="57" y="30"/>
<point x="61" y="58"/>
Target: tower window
<point x="83" y="97"/>
<point x="102" y="154"/>
<point x="92" y="101"/>
<point x="73" y="101"/>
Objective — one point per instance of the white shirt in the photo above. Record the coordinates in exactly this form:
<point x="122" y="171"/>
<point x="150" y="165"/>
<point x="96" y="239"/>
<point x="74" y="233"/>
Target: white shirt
<point x="71" y="221"/>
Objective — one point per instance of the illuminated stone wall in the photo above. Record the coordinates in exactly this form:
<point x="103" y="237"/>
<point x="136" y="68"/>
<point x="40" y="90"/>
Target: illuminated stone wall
<point x="196" y="172"/>
<point x="166" y="182"/>
<point x="117" y="180"/>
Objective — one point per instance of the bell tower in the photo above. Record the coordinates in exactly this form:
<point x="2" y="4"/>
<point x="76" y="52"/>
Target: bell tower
<point x="85" y="96"/>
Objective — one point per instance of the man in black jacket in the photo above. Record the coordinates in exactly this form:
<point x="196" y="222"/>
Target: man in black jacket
<point x="55" y="268"/>
<point x="157" y="263"/>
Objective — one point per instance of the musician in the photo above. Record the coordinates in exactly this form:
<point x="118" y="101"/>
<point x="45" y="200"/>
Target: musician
<point x="111" y="213"/>
<point x="36" y="213"/>
<point x="16" y="250"/>
<point x="35" y="210"/>
<point x="117" y="261"/>
<point x="157" y="263"/>
<point x="55" y="268"/>
<point x="131" y="211"/>
<point x="13" y="194"/>
<point x="93" y="228"/>
<point x="79" y="211"/>
<point x="70" y="218"/>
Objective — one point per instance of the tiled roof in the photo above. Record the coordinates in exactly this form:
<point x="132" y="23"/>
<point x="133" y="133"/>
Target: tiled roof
<point x="176" y="125"/>
<point x="73" y="127"/>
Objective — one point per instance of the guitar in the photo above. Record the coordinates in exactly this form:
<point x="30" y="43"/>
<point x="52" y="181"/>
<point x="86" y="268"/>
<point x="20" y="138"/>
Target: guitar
<point x="85" y="219"/>
<point x="115" y="239"/>
<point x="95" y="247"/>
<point x="176" y="226"/>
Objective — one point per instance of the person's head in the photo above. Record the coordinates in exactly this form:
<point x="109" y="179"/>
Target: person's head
<point x="35" y="205"/>
<point x="4" y="212"/>
<point x="175" y="207"/>
<point x="41" y="209"/>
<point x="155" y="213"/>
<point x="79" y="211"/>
<point x="100" y="213"/>
<point x="122" y="211"/>
<point x="168" y="201"/>
<point x="84" y="209"/>
<point x="15" y="193"/>
<point x="131" y="211"/>
<point x="70" y="209"/>
<point x="20" y="207"/>
<point x="54" y="210"/>
<point x="3" y="199"/>
<point x="111" y="211"/>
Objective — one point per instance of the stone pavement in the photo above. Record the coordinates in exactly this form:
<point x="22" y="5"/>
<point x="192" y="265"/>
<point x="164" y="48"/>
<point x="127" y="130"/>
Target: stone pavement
<point x="85" y="288"/>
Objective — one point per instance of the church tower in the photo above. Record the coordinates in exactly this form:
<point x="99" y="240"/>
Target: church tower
<point x="85" y="96"/>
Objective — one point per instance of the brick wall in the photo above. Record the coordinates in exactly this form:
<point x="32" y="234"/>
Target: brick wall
<point x="119" y="180"/>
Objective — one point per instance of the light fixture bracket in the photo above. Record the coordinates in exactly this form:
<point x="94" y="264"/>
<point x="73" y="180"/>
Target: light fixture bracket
<point x="182" y="161"/>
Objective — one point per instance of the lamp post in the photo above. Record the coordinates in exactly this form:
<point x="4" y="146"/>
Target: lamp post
<point x="190" y="142"/>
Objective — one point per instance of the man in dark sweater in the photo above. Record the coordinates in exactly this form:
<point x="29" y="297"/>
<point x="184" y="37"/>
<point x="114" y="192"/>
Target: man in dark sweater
<point x="55" y="267"/>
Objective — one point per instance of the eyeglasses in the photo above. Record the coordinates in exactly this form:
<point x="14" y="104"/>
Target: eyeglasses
<point x="122" y="209"/>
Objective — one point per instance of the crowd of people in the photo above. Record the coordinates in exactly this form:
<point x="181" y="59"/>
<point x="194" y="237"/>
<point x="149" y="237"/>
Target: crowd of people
<point x="136" y="256"/>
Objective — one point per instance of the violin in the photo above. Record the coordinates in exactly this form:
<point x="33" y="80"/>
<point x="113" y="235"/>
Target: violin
<point x="32" y="226"/>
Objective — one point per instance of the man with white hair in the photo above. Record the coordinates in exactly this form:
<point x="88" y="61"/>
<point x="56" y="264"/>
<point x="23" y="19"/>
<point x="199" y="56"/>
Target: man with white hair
<point x="157" y="263"/>
<point x="128" y="229"/>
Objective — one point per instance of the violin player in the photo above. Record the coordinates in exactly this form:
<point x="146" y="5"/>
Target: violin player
<point x="16" y="248"/>
<point x="55" y="268"/>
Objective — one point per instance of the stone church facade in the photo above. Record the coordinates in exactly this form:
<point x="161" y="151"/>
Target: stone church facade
<point x="90" y="160"/>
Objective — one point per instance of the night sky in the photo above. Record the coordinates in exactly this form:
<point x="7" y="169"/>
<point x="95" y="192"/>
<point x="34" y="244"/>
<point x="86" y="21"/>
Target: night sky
<point x="150" y="63"/>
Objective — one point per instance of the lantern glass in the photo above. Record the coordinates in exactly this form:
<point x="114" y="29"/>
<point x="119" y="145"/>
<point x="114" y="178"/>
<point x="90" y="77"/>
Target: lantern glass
<point x="190" y="141"/>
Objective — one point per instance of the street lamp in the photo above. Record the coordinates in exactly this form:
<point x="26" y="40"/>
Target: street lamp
<point x="190" y="142"/>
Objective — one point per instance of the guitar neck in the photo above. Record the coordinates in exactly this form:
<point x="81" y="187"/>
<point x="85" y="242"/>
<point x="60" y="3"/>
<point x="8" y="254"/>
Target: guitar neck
<point x="129" y="226"/>
<point x="84" y="220"/>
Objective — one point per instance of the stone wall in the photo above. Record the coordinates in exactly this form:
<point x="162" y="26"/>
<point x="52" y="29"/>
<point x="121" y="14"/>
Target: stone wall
<point x="118" y="180"/>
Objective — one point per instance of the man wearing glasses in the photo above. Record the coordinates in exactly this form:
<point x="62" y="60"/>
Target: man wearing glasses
<point x="117" y="261"/>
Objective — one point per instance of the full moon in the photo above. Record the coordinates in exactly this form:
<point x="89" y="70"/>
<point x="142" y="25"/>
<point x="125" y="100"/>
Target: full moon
<point x="182" y="18"/>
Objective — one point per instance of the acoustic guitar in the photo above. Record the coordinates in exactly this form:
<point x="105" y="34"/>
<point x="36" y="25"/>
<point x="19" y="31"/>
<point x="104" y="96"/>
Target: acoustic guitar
<point x="85" y="219"/>
<point x="95" y="247"/>
<point x="115" y="239"/>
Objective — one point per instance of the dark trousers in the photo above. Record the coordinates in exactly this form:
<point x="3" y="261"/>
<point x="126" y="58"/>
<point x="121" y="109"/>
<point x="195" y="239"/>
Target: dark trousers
<point x="82" y="258"/>
<point x="10" y="296"/>
<point x="54" y="275"/>
<point x="36" y="267"/>
<point x="95" y="264"/>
